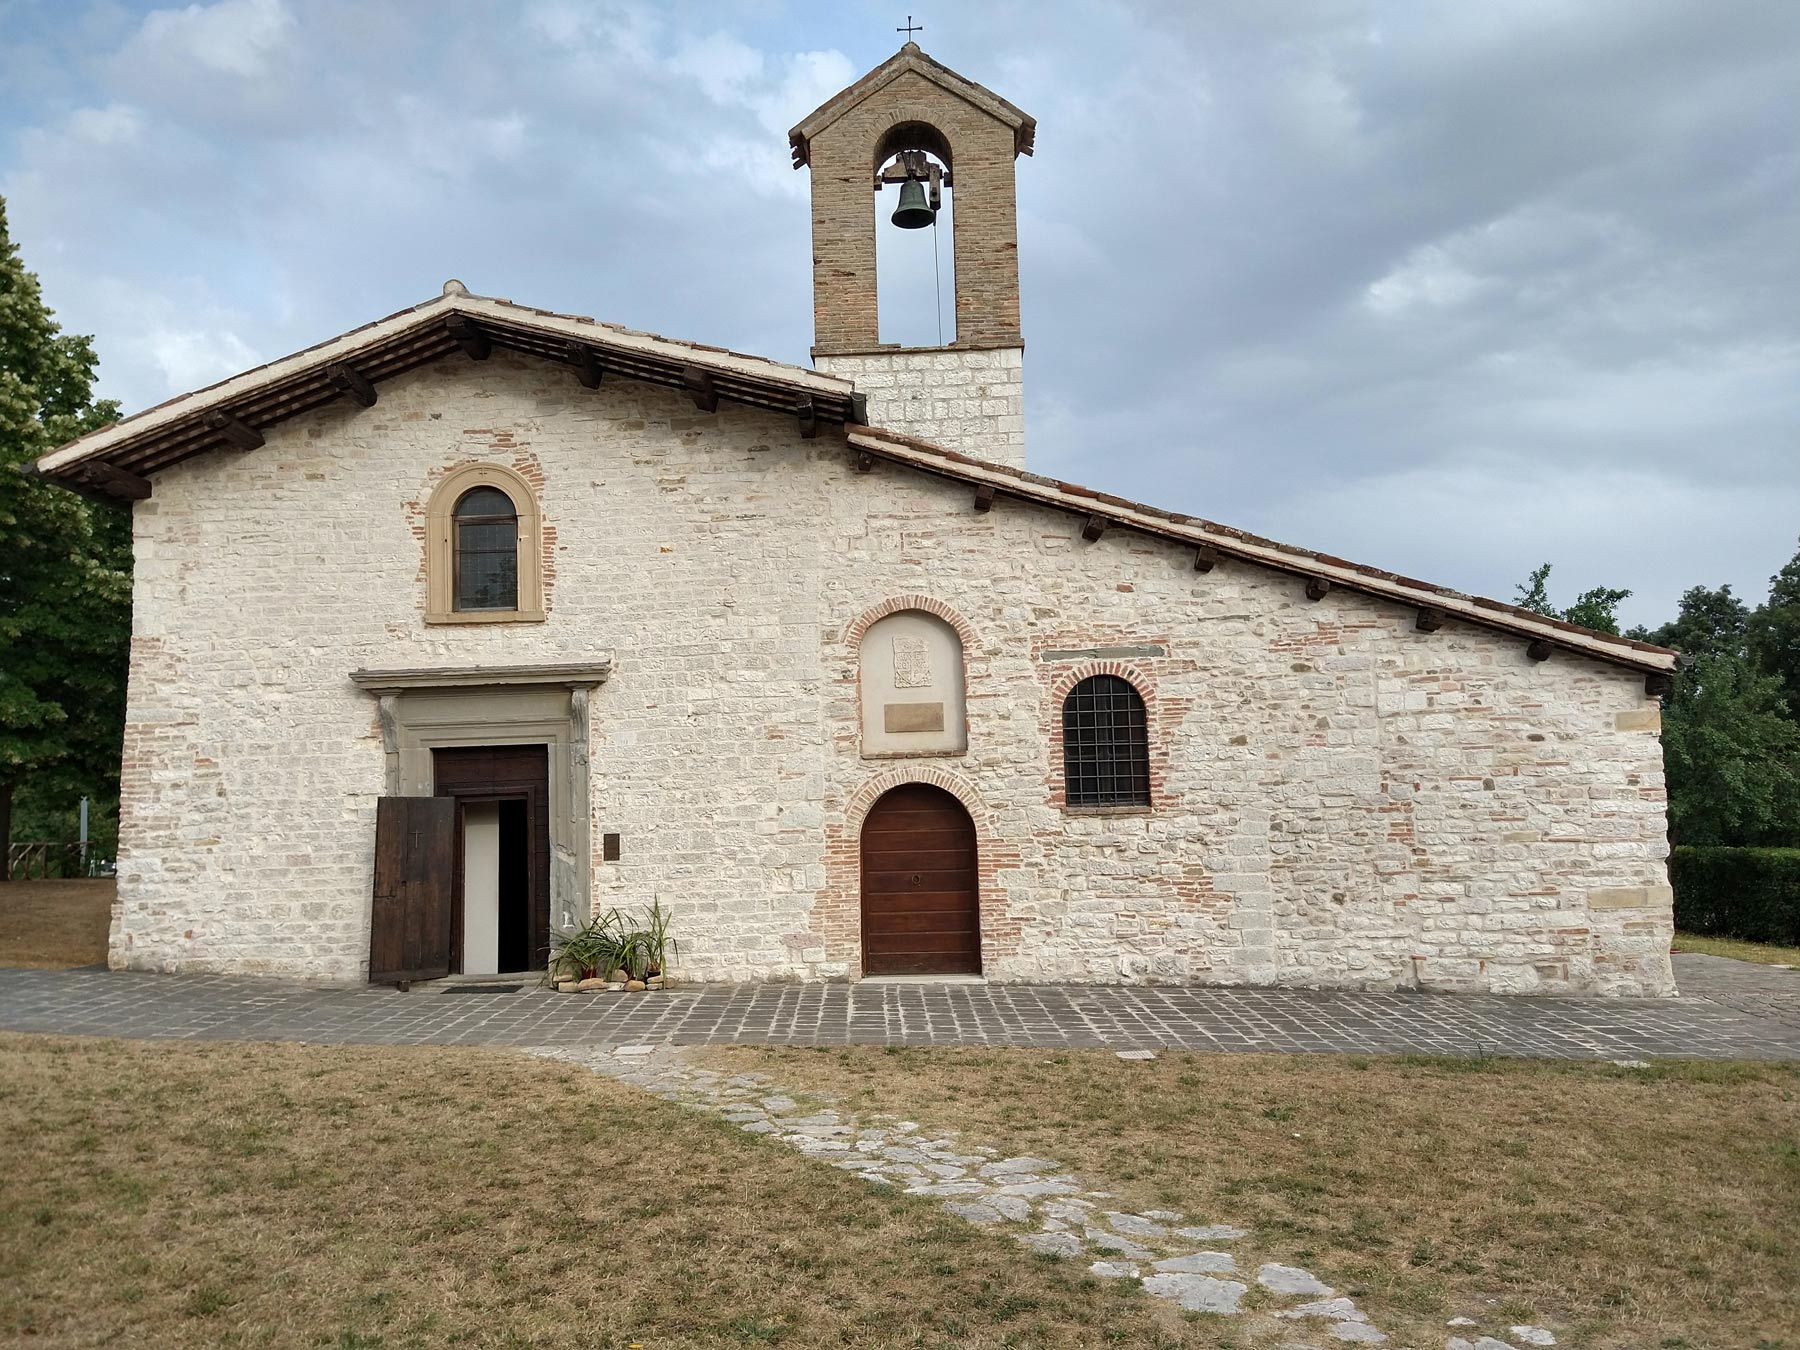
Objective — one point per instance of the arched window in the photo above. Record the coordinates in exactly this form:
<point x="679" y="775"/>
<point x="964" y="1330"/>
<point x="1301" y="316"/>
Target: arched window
<point x="1106" y="744"/>
<point x="486" y="551"/>
<point x="484" y="548"/>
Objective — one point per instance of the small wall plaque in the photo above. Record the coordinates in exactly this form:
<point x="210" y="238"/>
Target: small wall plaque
<point x="609" y="848"/>
<point x="901" y="717"/>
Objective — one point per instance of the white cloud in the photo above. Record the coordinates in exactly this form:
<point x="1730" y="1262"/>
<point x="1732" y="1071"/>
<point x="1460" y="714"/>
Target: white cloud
<point x="115" y="124"/>
<point x="1427" y="279"/>
<point x="232" y="37"/>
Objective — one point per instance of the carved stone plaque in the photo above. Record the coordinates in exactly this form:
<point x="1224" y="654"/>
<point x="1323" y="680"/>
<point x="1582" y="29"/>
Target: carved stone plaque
<point x="899" y="717"/>
<point x="912" y="661"/>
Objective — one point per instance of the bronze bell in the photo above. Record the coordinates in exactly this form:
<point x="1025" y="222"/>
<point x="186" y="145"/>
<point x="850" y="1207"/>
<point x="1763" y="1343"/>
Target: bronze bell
<point x="913" y="213"/>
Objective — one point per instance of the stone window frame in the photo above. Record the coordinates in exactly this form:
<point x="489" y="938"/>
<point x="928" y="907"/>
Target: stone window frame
<point x="1156" y="737"/>
<point x="440" y="548"/>
<point x="853" y="638"/>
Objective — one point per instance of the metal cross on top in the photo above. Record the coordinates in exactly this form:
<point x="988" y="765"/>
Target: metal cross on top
<point x="910" y="28"/>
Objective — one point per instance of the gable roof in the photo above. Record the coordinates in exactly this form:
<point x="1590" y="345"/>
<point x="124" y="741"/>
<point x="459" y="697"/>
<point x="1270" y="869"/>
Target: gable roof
<point x="115" y="460"/>
<point x="911" y="58"/>
<point x="235" y="411"/>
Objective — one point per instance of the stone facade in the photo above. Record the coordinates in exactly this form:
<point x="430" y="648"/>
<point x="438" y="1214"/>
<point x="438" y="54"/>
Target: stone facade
<point x="1338" y="798"/>
<point x="971" y="401"/>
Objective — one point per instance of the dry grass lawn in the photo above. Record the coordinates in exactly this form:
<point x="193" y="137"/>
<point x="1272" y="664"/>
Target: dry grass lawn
<point x="284" y="1195"/>
<point x="1628" y="1208"/>
<point x="1763" y="953"/>
<point x="54" y="923"/>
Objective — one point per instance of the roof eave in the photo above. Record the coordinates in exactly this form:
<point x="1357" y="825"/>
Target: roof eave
<point x="298" y="383"/>
<point x="1187" y="530"/>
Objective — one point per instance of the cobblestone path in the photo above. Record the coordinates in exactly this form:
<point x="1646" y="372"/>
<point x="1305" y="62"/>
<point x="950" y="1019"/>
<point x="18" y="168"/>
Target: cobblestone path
<point x="1196" y="1261"/>
<point x="1736" y="1022"/>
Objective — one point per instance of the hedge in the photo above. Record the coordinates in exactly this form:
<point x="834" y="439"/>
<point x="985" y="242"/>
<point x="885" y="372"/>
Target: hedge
<point x="1748" y="893"/>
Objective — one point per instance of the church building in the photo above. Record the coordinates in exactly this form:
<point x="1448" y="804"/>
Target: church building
<point x="479" y="620"/>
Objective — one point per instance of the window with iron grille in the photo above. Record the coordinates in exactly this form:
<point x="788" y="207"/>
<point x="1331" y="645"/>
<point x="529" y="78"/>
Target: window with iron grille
<point x="1106" y="746"/>
<point x="487" y="550"/>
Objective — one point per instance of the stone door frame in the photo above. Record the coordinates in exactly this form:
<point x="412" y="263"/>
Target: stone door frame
<point x="425" y="709"/>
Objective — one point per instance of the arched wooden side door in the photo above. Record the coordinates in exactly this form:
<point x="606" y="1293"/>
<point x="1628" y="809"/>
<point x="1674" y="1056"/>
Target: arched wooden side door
<point x="920" y="885"/>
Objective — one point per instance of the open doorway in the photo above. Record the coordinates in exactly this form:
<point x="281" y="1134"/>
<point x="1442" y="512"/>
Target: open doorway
<point x="500" y="910"/>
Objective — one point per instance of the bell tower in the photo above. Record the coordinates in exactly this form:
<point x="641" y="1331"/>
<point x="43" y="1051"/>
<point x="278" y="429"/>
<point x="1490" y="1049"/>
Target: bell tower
<point x="916" y="125"/>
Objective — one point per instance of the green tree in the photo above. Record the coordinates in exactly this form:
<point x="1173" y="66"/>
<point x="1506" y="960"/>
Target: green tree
<point x="1709" y="623"/>
<point x="1596" y="608"/>
<point x="1774" y="633"/>
<point x="65" y="591"/>
<point x="1730" y="748"/>
<point x="1534" y="593"/>
<point x="1731" y="753"/>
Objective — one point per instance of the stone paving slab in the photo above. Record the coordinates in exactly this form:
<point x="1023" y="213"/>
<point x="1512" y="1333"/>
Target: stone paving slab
<point x="1768" y="992"/>
<point x="1205" y="1018"/>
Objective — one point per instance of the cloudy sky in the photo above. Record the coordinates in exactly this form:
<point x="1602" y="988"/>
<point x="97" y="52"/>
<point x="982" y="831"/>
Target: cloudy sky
<point x="1448" y="288"/>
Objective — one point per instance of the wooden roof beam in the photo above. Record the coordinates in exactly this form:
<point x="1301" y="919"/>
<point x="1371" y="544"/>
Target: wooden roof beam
<point x="351" y="384"/>
<point x="238" y="435"/>
<point x="984" y="497"/>
<point x="1206" y="557"/>
<point x="1538" y="649"/>
<point x="1093" y="527"/>
<point x="1317" y="588"/>
<point x="808" y="415"/>
<point x="1429" y="620"/>
<point x="477" y="345"/>
<point x="119" y="484"/>
<point x="586" y="363"/>
<point x="701" y="388"/>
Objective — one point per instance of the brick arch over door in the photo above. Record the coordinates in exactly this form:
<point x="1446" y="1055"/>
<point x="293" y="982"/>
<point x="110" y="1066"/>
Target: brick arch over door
<point x="921" y="906"/>
<point x="837" y="913"/>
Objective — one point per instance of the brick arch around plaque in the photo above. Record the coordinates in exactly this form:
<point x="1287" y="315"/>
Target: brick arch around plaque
<point x="912" y="696"/>
<point x="853" y="635"/>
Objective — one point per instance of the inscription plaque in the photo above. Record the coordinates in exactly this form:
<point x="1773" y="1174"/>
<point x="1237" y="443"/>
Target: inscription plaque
<point x="901" y="717"/>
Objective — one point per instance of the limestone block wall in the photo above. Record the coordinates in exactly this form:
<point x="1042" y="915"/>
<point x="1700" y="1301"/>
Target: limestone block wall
<point x="1338" y="800"/>
<point x="966" y="400"/>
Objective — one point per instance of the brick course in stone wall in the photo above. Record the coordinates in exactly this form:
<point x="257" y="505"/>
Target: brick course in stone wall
<point x="1340" y="800"/>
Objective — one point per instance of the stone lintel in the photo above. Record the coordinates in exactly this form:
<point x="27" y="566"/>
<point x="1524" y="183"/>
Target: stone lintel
<point x="1102" y="653"/>
<point x="569" y="675"/>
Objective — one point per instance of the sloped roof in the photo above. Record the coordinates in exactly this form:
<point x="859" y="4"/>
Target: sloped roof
<point x="1214" y="542"/>
<point x="187" y="425"/>
<point x="911" y="58"/>
<point x="116" y="459"/>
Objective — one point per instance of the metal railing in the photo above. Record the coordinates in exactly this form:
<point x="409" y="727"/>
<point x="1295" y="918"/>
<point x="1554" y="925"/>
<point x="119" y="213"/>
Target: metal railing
<point x="43" y="859"/>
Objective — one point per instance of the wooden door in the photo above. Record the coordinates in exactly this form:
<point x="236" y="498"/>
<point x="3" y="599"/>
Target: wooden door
<point x="504" y="773"/>
<point x="415" y="863"/>
<point x="920" y="887"/>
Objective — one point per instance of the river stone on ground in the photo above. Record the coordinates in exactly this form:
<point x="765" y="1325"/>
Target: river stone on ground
<point x="1048" y="1209"/>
